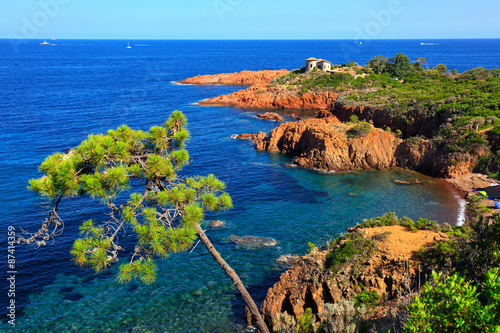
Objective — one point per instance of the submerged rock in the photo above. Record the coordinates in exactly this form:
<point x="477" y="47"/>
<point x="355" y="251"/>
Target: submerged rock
<point x="253" y="242"/>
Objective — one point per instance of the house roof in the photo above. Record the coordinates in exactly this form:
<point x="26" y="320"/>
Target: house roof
<point x="312" y="59"/>
<point x="321" y="60"/>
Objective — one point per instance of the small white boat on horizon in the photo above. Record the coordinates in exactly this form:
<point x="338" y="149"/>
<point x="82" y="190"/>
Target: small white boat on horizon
<point x="128" y="46"/>
<point x="44" y="43"/>
<point x="53" y="38"/>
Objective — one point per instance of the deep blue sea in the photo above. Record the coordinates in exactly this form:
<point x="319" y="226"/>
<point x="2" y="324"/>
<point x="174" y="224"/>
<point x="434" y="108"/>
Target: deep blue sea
<point x="52" y="97"/>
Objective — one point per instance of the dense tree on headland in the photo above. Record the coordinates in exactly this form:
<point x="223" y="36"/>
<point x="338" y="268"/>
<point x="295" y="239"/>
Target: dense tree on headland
<point x="163" y="211"/>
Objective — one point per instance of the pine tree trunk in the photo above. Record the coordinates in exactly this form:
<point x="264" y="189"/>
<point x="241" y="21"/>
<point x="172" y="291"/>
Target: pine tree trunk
<point x="236" y="280"/>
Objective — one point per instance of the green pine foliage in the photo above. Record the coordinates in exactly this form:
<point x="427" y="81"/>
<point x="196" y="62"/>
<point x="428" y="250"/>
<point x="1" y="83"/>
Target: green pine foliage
<point x="455" y="305"/>
<point x="161" y="214"/>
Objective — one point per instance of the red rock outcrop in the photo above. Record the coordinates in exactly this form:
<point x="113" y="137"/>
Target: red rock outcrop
<point x="430" y="157"/>
<point x="262" y="96"/>
<point x="244" y="136"/>
<point x="309" y="283"/>
<point x="244" y="78"/>
<point x="417" y="124"/>
<point x="271" y="116"/>
<point x="325" y="144"/>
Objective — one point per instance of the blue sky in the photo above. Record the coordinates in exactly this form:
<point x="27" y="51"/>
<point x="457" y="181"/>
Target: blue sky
<point x="249" y="19"/>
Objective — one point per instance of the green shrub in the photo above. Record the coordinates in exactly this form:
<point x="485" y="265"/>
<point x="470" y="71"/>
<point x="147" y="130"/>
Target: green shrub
<point x="455" y="306"/>
<point x="312" y="247"/>
<point x="306" y="322"/>
<point x="381" y="221"/>
<point x="360" y="129"/>
<point x="354" y="118"/>
<point x="346" y="252"/>
<point x="367" y="298"/>
<point x="495" y="130"/>
<point x="406" y="222"/>
<point x="423" y="224"/>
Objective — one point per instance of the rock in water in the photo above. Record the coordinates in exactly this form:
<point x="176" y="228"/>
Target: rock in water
<point x="325" y="144"/>
<point x="253" y="242"/>
<point x="272" y="116"/>
<point x="217" y="224"/>
<point x="245" y="136"/>
<point x="288" y="259"/>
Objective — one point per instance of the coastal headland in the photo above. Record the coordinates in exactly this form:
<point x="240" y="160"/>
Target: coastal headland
<point x="244" y="78"/>
<point x="366" y="120"/>
<point x="351" y="133"/>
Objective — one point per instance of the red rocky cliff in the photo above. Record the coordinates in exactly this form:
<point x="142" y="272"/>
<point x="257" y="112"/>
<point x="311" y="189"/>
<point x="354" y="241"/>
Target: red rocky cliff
<point x="244" y="78"/>
<point x="327" y="145"/>
<point x="262" y="96"/>
<point x="310" y="283"/>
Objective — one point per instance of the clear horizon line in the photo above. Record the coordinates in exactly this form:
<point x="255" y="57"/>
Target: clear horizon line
<point x="262" y="39"/>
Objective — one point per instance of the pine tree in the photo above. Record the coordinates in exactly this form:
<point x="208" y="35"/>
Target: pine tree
<point x="163" y="211"/>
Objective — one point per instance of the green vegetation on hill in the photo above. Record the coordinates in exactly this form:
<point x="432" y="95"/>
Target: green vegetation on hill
<point x="314" y="81"/>
<point x="461" y="109"/>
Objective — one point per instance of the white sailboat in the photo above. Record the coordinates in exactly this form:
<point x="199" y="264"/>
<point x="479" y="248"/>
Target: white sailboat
<point x="53" y="38"/>
<point x="128" y="46"/>
<point x="44" y="43"/>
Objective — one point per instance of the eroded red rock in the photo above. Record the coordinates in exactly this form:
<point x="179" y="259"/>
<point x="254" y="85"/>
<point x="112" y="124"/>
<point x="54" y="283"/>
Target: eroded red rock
<point x="325" y="143"/>
<point x="244" y="78"/>
<point x="263" y="96"/>
<point x="271" y="116"/>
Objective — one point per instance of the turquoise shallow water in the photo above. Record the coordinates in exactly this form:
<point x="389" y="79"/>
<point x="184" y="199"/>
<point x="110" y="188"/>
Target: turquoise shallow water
<point x="54" y="97"/>
<point x="192" y="294"/>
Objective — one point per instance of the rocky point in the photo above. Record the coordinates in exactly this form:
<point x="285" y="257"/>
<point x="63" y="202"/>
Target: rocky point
<point x="244" y="78"/>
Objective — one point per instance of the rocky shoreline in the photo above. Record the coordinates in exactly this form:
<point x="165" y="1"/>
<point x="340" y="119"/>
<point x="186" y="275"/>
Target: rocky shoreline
<point x="244" y="78"/>
<point x="325" y="143"/>
<point x="328" y="144"/>
<point x="391" y="267"/>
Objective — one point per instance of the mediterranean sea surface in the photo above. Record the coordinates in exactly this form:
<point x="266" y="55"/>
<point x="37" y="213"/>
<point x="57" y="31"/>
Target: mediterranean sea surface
<point x="53" y="96"/>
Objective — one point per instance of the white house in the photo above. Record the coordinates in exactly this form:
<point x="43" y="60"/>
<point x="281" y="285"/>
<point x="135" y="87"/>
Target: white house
<point x="321" y="64"/>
